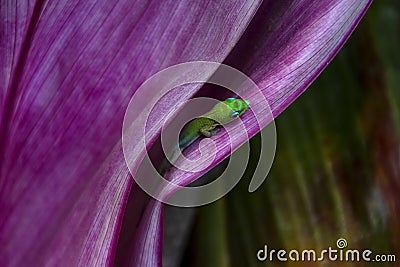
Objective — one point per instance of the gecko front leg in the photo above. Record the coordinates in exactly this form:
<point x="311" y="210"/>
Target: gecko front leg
<point x="209" y="130"/>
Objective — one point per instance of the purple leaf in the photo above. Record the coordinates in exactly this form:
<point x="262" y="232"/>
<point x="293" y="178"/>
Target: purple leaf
<point x="68" y="72"/>
<point x="301" y="39"/>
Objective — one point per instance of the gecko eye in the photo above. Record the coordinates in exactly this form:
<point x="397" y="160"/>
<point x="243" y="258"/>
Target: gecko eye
<point x="230" y="99"/>
<point x="234" y="114"/>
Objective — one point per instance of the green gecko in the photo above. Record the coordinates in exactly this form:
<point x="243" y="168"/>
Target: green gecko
<point x="206" y="125"/>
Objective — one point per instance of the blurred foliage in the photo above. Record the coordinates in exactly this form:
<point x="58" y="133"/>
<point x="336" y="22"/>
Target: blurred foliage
<point x="337" y="170"/>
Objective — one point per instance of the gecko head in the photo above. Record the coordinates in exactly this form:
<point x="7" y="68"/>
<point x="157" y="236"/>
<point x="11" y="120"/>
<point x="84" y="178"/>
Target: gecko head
<point x="238" y="106"/>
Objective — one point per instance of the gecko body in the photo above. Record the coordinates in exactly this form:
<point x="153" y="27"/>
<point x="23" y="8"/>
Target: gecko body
<point x="206" y="125"/>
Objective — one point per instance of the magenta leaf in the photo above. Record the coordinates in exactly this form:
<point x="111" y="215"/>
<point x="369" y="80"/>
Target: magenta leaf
<point x="69" y="69"/>
<point x="303" y="38"/>
<point x="68" y="72"/>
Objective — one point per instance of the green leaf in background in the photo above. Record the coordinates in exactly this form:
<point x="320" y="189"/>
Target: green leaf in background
<point x="337" y="168"/>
